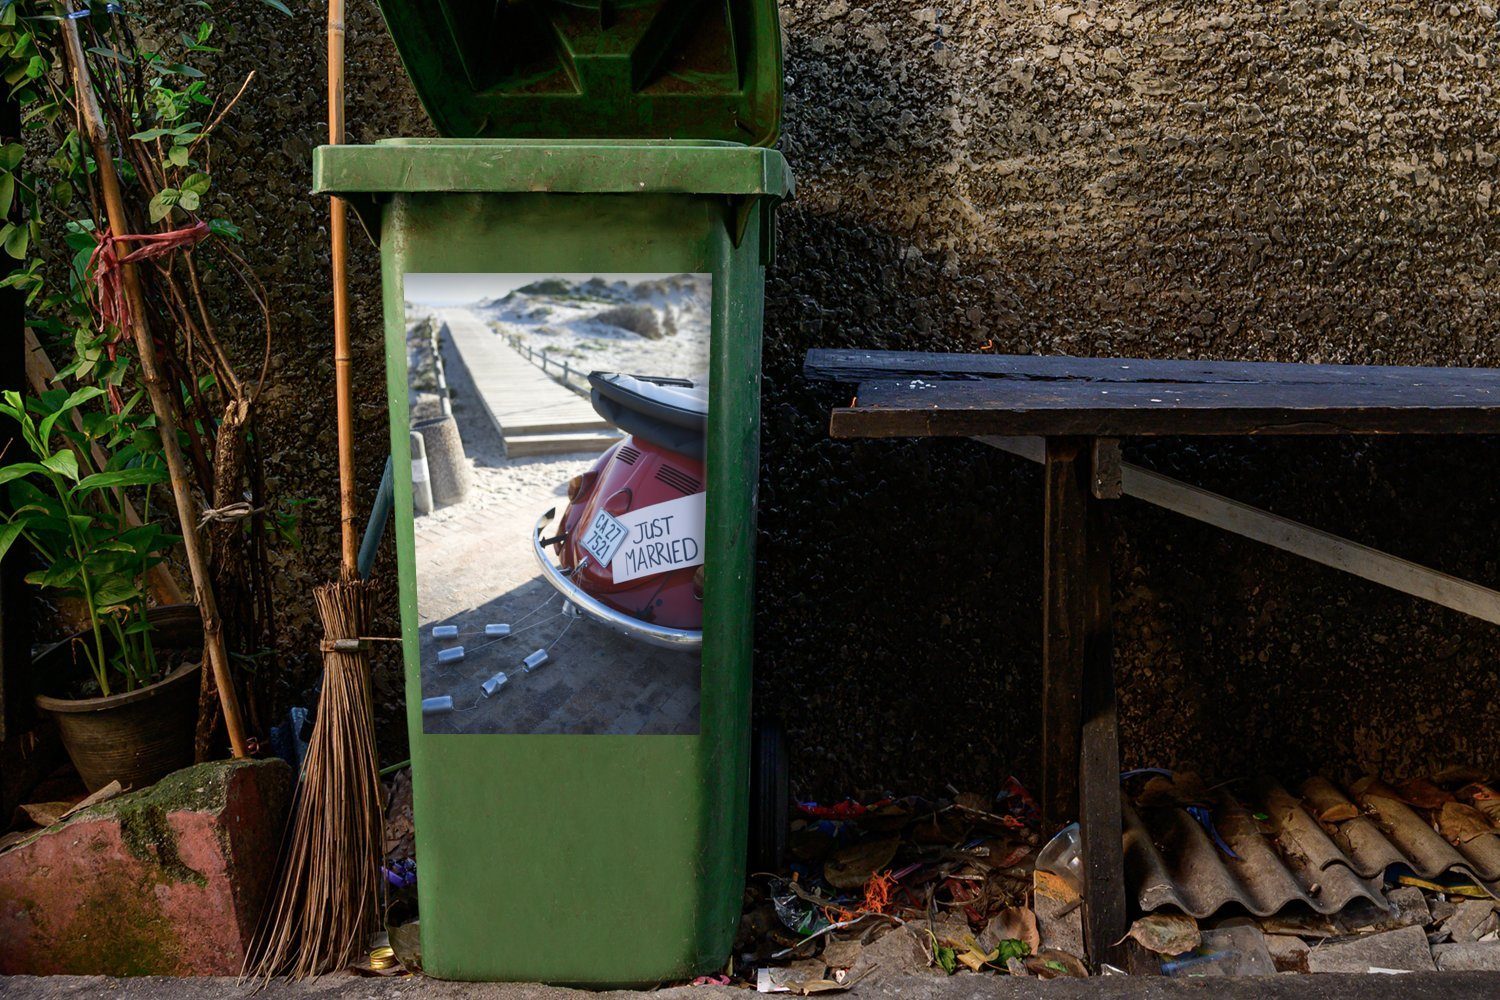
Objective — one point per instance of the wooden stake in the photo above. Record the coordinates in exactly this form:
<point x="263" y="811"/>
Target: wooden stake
<point x="161" y="403"/>
<point x="342" y="356"/>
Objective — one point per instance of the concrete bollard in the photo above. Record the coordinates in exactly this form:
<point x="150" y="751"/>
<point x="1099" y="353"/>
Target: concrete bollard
<point x="421" y="484"/>
<point x="448" y="470"/>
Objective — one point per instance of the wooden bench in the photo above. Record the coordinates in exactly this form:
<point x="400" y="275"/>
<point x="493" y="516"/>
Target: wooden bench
<point x="1069" y="414"/>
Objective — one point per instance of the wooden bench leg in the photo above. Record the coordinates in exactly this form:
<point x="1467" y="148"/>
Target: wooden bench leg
<point x="1080" y="738"/>
<point x="1064" y="617"/>
<point x="1104" y="905"/>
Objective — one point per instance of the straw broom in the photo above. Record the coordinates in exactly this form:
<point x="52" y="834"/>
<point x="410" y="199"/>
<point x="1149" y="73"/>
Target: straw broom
<point x="328" y="897"/>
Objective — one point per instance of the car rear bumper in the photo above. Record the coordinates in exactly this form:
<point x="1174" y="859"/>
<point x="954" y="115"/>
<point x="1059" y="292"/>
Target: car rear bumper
<point x="655" y="635"/>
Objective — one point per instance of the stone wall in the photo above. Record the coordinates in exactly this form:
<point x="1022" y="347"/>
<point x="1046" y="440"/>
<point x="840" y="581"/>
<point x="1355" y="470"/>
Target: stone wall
<point x="1298" y="181"/>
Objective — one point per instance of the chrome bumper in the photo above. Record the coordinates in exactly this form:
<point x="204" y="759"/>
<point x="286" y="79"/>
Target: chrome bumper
<point x="655" y="635"/>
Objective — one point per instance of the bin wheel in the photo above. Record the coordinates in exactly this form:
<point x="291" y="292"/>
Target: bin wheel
<point x="770" y="795"/>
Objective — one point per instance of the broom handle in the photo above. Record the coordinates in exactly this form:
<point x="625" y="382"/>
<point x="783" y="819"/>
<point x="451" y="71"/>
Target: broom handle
<point x="114" y="204"/>
<point x="342" y="360"/>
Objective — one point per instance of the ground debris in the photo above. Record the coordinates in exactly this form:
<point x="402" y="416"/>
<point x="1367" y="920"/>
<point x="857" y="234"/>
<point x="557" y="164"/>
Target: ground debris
<point x="1472" y="920"/>
<point x="886" y="886"/>
<point x="1166" y="933"/>
<point x="1404" y="949"/>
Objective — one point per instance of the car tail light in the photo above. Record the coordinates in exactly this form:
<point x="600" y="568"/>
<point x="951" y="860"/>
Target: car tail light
<point x="698" y="584"/>
<point x="579" y="485"/>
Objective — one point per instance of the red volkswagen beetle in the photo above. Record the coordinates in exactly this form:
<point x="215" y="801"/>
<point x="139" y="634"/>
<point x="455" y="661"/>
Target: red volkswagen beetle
<point x="630" y="545"/>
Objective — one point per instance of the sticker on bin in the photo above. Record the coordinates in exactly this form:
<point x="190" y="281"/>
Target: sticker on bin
<point x="661" y="538"/>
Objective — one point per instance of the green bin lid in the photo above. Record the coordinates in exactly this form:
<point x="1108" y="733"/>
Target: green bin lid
<point x="576" y="69"/>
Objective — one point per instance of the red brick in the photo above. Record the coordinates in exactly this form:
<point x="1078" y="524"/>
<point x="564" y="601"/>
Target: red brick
<point x="166" y="881"/>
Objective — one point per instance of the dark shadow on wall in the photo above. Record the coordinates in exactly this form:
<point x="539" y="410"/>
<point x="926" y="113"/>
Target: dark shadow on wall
<point x="898" y="614"/>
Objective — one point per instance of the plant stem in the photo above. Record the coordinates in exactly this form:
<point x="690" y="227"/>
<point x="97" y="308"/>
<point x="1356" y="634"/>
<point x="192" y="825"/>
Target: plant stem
<point x="161" y="400"/>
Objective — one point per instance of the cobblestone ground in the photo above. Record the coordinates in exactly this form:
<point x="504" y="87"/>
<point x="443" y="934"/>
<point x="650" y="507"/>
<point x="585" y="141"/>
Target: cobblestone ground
<point x="475" y="567"/>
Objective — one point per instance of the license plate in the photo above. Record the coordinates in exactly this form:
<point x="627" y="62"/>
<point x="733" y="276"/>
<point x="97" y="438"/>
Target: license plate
<point x="604" y="537"/>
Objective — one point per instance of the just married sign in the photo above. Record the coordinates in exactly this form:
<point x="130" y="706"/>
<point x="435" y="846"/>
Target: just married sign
<point x="655" y="539"/>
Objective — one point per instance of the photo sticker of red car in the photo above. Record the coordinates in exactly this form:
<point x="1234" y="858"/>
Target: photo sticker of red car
<point x="559" y="499"/>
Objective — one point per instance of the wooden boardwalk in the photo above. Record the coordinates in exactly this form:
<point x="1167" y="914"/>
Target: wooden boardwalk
<point x="534" y="413"/>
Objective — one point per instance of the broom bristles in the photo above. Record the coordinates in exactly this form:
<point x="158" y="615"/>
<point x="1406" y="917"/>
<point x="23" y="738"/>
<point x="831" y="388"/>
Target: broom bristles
<point x="327" y="895"/>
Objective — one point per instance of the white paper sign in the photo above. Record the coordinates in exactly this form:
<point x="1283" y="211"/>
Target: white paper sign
<point x="661" y="538"/>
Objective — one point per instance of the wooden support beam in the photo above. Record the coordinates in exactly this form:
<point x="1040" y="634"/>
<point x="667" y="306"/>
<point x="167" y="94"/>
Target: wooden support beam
<point x="1100" y="826"/>
<point x="1064" y="625"/>
<point x="1105" y="461"/>
<point x="1291" y="536"/>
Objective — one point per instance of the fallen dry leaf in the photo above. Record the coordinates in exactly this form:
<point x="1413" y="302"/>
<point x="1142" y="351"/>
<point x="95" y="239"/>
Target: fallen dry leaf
<point x="1166" y="933"/>
<point x="1054" y="964"/>
<point x="1484" y="798"/>
<point x="1460" y="824"/>
<point x="45" y="813"/>
<point x="104" y="794"/>
<point x="1014" y="923"/>
<point x="1326" y="802"/>
<point x="1458" y="774"/>
<point x="1423" y="794"/>
<point x="851" y="867"/>
<point x="1339" y="812"/>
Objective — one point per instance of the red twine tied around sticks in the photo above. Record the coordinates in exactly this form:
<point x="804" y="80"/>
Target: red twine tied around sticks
<point x="106" y="264"/>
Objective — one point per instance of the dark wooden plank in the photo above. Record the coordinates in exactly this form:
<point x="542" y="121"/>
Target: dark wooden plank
<point x="865" y="366"/>
<point x="919" y="408"/>
<point x="1283" y="533"/>
<point x="1064" y="620"/>
<point x="1100" y="826"/>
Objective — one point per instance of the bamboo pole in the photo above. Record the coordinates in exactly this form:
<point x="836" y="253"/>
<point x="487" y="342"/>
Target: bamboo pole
<point x="161" y="403"/>
<point x="40" y="372"/>
<point x="342" y="356"/>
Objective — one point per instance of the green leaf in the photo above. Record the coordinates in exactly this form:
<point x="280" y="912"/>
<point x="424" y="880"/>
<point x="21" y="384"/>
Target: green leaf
<point x="225" y="228"/>
<point x="108" y="53"/>
<point x="121" y="477"/>
<point x="177" y="156"/>
<point x="947" y="958"/>
<point x="59" y="574"/>
<point x="277" y="5"/>
<point x="161" y="205"/>
<point x="17" y="239"/>
<point x="120" y="590"/>
<point x="20" y="469"/>
<point x="75" y="399"/>
<point x="7" y="192"/>
<point x="197" y="183"/>
<point x="1011" y="948"/>
<point x="9" y="532"/>
<point x="64" y="463"/>
<point x="188" y="201"/>
<point x="11" y="155"/>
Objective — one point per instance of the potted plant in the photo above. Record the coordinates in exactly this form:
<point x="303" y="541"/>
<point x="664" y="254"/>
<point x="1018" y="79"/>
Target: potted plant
<point x="122" y="690"/>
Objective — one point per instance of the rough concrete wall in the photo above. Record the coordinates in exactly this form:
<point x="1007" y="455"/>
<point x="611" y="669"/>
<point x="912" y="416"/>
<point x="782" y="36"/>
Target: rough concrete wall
<point x="1306" y="181"/>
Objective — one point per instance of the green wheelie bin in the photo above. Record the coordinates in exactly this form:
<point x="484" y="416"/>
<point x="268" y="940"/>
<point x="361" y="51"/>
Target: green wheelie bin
<point x="573" y="282"/>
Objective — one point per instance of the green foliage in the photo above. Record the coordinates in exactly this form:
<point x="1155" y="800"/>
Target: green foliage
<point x="77" y="523"/>
<point x="169" y="114"/>
<point x="162" y="109"/>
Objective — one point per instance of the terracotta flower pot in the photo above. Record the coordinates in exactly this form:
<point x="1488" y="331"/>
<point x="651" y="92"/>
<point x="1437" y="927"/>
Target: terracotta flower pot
<point x="135" y="737"/>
